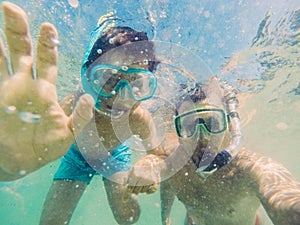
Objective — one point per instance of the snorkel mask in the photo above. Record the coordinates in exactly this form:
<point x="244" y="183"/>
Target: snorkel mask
<point x="213" y="121"/>
<point x="101" y="79"/>
<point x="106" y="80"/>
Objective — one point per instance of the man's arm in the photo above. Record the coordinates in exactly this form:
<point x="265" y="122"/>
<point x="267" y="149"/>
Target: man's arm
<point x="276" y="188"/>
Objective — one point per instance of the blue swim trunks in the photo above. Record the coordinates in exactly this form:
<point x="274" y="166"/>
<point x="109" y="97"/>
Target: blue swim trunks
<point x="74" y="167"/>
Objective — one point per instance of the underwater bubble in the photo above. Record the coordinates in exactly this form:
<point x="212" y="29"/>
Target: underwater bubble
<point x="29" y="102"/>
<point x="22" y="172"/>
<point x="99" y="51"/>
<point x="29" y="117"/>
<point x="186" y="174"/>
<point x="111" y="40"/>
<point x="55" y="41"/>
<point x="10" y="109"/>
<point x="206" y="14"/>
<point x="101" y="139"/>
<point x="145" y="62"/>
<point x="74" y="3"/>
<point x="281" y="126"/>
<point x="114" y="71"/>
<point x="125" y="68"/>
<point x="113" y="92"/>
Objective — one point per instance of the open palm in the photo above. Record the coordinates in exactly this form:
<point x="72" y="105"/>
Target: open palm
<point x="34" y="129"/>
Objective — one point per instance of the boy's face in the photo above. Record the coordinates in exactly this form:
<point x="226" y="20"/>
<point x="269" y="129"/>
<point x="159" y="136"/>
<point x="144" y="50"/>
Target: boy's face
<point x="122" y="81"/>
<point x="125" y="86"/>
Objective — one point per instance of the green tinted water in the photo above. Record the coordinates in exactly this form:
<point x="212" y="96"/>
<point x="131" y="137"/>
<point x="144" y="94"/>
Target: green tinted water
<point x="270" y="119"/>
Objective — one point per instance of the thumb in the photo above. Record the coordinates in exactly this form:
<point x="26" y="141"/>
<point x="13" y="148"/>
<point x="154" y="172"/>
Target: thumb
<point x="82" y="114"/>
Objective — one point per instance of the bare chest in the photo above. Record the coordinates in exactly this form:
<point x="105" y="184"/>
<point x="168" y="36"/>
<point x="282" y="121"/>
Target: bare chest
<point x="223" y="196"/>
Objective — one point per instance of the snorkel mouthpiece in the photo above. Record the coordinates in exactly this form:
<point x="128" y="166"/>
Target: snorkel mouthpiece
<point x="230" y="152"/>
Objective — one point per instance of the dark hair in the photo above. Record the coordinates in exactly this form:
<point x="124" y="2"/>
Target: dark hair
<point x="195" y="94"/>
<point x="114" y="37"/>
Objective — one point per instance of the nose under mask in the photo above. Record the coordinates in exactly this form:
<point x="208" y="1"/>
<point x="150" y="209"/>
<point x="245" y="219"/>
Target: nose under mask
<point x="123" y="94"/>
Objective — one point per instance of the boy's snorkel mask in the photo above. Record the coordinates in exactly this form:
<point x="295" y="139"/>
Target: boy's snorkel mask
<point x="104" y="73"/>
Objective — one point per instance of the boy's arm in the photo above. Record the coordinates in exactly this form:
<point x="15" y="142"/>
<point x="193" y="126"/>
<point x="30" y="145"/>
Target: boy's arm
<point x="276" y="188"/>
<point x="147" y="172"/>
<point x="34" y="128"/>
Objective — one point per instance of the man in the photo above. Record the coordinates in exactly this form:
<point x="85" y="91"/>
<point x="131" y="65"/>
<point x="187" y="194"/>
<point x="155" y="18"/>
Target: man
<point x="220" y="184"/>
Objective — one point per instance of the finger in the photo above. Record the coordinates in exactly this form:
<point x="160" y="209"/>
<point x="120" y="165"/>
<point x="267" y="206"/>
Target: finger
<point x="3" y="62"/>
<point x="127" y="193"/>
<point x="82" y="114"/>
<point x="18" y="38"/>
<point x="67" y="104"/>
<point x="46" y="65"/>
<point x="131" y="189"/>
<point x="152" y="188"/>
<point x="147" y="189"/>
<point x="137" y="189"/>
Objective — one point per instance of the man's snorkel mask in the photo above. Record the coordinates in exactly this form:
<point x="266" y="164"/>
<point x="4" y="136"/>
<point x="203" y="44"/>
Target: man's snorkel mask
<point x="213" y="121"/>
<point x="104" y="73"/>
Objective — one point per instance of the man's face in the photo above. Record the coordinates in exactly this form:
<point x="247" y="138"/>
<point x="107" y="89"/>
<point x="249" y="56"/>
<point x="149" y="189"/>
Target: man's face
<point x="203" y="127"/>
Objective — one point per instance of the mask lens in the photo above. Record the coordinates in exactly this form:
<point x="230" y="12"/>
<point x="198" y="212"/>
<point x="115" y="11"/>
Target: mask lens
<point x="213" y="120"/>
<point x="141" y="85"/>
<point x="105" y="80"/>
<point x="108" y="80"/>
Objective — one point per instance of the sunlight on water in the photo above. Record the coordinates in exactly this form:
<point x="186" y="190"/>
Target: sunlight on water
<point x="269" y="72"/>
<point x="254" y="45"/>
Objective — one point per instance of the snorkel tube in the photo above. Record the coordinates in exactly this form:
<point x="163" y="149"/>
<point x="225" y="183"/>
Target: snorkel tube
<point x="235" y="133"/>
<point x="230" y="152"/>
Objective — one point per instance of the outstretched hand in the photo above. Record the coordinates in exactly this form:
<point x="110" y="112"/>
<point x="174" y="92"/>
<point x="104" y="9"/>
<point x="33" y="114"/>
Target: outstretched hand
<point x="34" y="129"/>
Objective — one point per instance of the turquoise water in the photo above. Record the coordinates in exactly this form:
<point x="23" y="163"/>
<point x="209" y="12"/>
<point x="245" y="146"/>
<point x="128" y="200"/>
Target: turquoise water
<point x="252" y="44"/>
